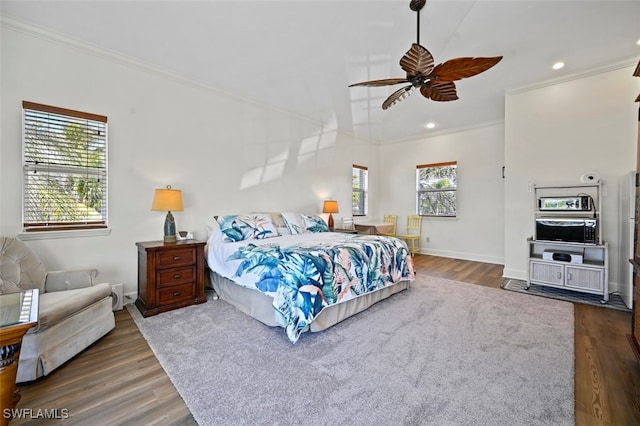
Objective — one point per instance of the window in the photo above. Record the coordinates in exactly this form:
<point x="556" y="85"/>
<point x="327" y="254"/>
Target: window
<point x="360" y="184"/>
<point x="436" y="186"/>
<point x="65" y="169"/>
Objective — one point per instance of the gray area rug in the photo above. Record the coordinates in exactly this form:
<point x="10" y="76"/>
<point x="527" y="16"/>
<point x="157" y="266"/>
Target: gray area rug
<point x="440" y="353"/>
<point x="615" y="301"/>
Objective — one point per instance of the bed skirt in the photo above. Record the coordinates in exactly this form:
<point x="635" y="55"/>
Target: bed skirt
<point x="260" y="307"/>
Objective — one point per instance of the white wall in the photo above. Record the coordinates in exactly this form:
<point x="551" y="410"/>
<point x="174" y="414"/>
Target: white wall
<point x="477" y="233"/>
<point x="557" y="133"/>
<point x="231" y="155"/>
<point x="227" y="155"/>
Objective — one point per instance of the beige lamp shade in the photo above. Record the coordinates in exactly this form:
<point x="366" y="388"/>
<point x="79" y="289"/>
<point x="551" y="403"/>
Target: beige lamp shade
<point x="167" y="200"/>
<point x="330" y="206"/>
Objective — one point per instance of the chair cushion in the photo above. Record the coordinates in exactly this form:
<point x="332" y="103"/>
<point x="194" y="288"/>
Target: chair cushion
<point x="20" y="269"/>
<point x="58" y="305"/>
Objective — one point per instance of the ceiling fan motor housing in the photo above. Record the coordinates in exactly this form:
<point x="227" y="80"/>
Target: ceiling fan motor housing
<point x="417" y="5"/>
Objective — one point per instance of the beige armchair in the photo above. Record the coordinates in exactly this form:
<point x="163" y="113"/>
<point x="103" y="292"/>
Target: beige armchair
<point x="74" y="311"/>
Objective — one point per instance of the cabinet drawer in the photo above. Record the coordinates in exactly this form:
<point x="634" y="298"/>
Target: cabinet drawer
<point x="170" y="277"/>
<point x="176" y="294"/>
<point x="585" y="278"/>
<point x="173" y="258"/>
<point x="546" y="273"/>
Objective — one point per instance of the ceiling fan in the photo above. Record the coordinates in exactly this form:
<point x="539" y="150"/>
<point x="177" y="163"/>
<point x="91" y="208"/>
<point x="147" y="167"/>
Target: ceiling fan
<point x="435" y="83"/>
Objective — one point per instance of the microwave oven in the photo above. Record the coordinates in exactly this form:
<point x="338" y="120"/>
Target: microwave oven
<point x="570" y="230"/>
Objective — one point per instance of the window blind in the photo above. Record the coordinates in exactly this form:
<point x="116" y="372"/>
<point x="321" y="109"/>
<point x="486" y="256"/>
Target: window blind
<point x="65" y="168"/>
<point x="437" y="186"/>
<point x="360" y="188"/>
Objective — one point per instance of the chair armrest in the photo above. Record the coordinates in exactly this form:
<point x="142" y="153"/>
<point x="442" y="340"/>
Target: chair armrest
<point x="69" y="279"/>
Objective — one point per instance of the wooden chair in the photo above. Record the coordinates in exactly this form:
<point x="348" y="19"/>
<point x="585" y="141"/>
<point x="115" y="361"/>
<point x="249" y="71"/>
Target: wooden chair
<point x="347" y="223"/>
<point x="413" y="233"/>
<point x="390" y="218"/>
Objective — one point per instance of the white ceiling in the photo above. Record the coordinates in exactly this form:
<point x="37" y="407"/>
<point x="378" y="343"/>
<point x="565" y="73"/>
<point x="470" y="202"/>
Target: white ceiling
<point x="300" y="56"/>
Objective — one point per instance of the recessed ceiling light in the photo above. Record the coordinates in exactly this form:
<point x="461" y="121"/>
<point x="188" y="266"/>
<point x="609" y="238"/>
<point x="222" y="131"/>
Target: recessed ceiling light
<point x="638" y="42"/>
<point x="558" y="65"/>
<point x="430" y="125"/>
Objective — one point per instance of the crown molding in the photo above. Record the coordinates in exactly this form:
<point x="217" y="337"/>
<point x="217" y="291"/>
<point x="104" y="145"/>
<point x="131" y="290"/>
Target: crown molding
<point x="120" y="59"/>
<point x="573" y="77"/>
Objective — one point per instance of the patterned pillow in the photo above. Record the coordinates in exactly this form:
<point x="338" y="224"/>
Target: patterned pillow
<point x="279" y="223"/>
<point x="300" y="223"/>
<point x="294" y="222"/>
<point x="247" y="227"/>
<point x="315" y="223"/>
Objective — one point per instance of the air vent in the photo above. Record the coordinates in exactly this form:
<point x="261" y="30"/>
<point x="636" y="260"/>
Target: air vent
<point x="117" y="296"/>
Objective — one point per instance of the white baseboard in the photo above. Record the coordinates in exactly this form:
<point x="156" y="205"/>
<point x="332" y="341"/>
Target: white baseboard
<point x="464" y="256"/>
<point x="515" y="274"/>
<point x="130" y="298"/>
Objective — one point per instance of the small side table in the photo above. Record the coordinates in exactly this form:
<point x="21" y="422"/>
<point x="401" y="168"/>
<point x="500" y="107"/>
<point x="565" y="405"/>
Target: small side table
<point x="18" y="313"/>
<point x="374" y="228"/>
<point x="170" y="275"/>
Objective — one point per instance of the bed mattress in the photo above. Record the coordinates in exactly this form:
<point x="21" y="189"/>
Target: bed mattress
<point x="300" y="276"/>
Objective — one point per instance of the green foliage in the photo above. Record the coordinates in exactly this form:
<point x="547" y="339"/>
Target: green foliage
<point x="437" y="190"/>
<point x="70" y="190"/>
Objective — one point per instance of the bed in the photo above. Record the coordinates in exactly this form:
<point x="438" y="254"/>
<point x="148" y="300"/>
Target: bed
<point x="288" y="269"/>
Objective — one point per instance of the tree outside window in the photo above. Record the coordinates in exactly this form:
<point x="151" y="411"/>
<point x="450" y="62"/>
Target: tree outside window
<point x="65" y="169"/>
<point x="436" y="189"/>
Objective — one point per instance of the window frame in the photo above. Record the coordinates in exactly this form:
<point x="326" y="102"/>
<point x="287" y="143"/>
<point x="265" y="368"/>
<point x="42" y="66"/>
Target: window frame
<point x="54" y="121"/>
<point x="453" y="189"/>
<point x="361" y="193"/>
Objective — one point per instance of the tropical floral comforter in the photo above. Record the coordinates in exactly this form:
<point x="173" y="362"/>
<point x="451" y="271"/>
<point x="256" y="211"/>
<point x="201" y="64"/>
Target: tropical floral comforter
<point x="306" y="273"/>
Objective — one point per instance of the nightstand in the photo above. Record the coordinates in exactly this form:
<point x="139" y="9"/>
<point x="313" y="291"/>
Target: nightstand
<point x="170" y="275"/>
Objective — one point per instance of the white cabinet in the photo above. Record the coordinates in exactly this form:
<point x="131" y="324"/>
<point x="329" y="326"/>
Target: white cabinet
<point x="587" y="270"/>
<point x="588" y="276"/>
<point x="581" y="278"/>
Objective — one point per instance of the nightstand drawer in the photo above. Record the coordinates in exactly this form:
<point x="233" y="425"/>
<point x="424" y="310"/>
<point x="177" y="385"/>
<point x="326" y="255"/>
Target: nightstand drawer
<point x="169" y="277"/>
<point x="176" y="294"/>
<point x="177" y="257"/>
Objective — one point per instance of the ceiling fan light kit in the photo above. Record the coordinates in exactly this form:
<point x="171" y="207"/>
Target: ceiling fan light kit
<point x="435" y="83"/>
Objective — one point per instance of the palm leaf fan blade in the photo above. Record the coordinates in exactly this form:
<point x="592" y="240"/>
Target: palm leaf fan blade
<point x="439" y="91"/>
<point x="459" y="68"/>
<point x="383" y="82"/>
<point x="418" y="61"/>
<point x="398" y="96"/>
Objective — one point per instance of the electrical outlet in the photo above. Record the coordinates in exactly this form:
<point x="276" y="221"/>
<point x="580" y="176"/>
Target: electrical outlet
<point x="427" y="239"/>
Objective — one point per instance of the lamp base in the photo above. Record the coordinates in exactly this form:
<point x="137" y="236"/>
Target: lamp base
<point x="169" y="229"/>
<point x="330" y="221"/>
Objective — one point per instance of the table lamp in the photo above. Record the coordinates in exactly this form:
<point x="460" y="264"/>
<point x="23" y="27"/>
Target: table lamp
<point x="168" y="200"/>
<point x="330" y="206"/>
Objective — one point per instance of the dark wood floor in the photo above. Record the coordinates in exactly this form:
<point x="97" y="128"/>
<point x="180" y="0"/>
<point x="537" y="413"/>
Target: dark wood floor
<point x="118" y="381"/>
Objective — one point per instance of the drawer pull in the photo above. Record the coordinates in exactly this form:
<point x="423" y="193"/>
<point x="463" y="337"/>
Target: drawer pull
<point x="176" y="293"/>
<point x="176" y="258"/>
<point x="177" y="276"/>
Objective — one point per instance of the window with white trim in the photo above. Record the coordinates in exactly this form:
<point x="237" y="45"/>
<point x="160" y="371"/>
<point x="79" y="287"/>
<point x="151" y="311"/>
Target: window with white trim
<point x="437" y="186"/>
<point x="65" y="169"/>
<point x="360" y="188"/>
